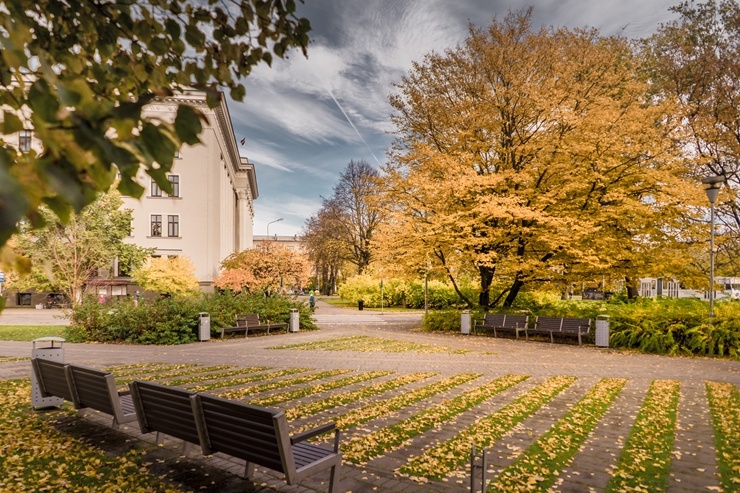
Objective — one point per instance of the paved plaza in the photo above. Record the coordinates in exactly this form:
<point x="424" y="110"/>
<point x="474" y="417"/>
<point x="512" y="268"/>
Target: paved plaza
<point x="693" y="465"/>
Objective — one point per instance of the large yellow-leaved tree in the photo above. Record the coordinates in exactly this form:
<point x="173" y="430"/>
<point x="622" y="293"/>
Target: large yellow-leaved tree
<point x="533" y="157"/>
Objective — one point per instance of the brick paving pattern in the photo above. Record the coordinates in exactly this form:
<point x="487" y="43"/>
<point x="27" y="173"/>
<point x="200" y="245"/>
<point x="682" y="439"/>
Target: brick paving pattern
<point x="693" y="465"/>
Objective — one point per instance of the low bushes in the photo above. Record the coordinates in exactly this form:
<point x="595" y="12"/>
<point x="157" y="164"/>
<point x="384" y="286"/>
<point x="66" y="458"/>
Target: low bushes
<point x="174" y="320"/>
<point x="660" y="326"/>
<point x="408" y="294"/>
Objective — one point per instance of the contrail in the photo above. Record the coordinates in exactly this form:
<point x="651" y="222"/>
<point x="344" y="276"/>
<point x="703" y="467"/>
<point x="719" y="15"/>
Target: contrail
<point x="328" y="89"/>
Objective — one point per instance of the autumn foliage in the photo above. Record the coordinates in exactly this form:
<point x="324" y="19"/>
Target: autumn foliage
<point x="530" y="157"/>
<point x="268" y="268"/>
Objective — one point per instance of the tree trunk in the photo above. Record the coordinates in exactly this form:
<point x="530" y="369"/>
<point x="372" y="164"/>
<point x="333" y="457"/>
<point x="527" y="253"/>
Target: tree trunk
<point x="632" y="291"/>
<point x="486" y="279"/>
<point x="518" y="283"/>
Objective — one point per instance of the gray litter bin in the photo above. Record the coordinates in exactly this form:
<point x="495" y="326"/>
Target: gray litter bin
<point x="465" y="322"/>
<point x="602" y="330"/>
<point x="51" y="348"/>
<point x="295" y="321"/>
<point x="204" y="332"/>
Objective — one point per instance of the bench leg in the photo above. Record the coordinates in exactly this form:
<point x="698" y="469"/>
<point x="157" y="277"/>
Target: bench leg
<point x="333" y="478"/>
<point x="579" y="338"/>
<point x="248" y="470"/>
<point x="494" y="332"/>
<point x="552" y="340"/>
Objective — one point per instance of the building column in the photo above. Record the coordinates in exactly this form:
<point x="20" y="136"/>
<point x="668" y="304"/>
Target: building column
<point x="243" y="220"/>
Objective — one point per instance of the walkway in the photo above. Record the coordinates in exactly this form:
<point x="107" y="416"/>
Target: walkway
<point x="693" y="466"/>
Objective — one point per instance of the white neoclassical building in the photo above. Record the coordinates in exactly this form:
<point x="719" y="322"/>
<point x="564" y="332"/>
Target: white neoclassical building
<point x="210" y="213"/>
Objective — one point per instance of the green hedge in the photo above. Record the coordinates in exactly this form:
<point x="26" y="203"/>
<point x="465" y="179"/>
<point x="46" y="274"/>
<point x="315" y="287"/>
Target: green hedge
<point x="174" y="320"/>
<point x="659" y="326"/>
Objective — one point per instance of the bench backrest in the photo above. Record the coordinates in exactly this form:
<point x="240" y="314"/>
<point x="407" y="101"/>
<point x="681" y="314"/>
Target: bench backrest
<point x="519" y="321"/>
<point x="549" y="323"/>
<point x="582" y="325"/>
<point x="95" y="389"/>
<point x="494" y="319"/>
<point x="52" y="378"/>
<point x="252" y="433"/>
<point x="247" y="320"/>
<point x="164" y="409"/>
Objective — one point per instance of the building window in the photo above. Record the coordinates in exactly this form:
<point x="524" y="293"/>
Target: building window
<point x="174" y="180"/>
<point x="173" y="226"/>
<point x="175" y="183"/>
<point x="24" y="140"/>
<point x="155" y="191"/>
<point x="156" y="220"/>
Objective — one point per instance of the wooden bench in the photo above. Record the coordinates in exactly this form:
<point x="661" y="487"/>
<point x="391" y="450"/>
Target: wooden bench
<point x="52" y="378"/>
<point x="260" y="436"/>
<point x="251" y="322"/>
<point x="86" y="388"/>
<point x="165" y="410"/>
<point x="96" y="389"/>
<point x="561" y="326"/>
<point x="499" y="321"/>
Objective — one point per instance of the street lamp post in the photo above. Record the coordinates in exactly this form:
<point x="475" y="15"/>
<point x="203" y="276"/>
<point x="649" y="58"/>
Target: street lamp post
<point x="712" y="184"/>
<point x="268" y="226"/>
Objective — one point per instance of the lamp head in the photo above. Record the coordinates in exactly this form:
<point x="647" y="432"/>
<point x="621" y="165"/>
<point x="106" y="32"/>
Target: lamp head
<point x="712" y="184"/>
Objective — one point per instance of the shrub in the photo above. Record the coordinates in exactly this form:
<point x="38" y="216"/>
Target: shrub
<point x="442" y="320"/>
<point x="174" y="321"/>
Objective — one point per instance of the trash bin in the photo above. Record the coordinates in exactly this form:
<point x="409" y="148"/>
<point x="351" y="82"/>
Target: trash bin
<point x="295" y="324"/>
<point x="51" y="348"/>
<point x="465" y="322"/>
<point x="602" y="330"/>
<point x="360" y="304"/>
<point x="204" y="332"/>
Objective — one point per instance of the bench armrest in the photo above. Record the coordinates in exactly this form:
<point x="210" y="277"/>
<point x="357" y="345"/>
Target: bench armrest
<point x="121" y="393"/>
<point x="314" y="432"/>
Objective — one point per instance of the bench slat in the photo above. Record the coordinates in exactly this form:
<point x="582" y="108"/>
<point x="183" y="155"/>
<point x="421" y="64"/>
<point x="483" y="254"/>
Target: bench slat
<point x="243" y="431"/>
<point x="52" y="379"/>
<point x="500" y="321"/>
<point x="564" y="326"/>
<point x="164" y="409"/>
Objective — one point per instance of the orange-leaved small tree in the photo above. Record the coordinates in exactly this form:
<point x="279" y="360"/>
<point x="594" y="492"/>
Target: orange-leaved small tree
<point x="268" y="268"/>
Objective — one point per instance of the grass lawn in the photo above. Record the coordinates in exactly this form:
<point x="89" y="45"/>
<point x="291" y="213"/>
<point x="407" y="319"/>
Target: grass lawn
<point x="30" y="332"/>
<point x="340" y="303"/>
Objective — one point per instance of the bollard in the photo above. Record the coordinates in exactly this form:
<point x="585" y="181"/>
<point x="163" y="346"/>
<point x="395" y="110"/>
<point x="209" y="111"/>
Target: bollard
<point x="465" y="322"/>
<point x="204" y="333"/>
<point x="295" y="324"/>
<point x="602" y="330"/>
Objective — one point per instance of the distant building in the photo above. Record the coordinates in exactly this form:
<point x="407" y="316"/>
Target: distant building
<point x="293" y="242"/>
<point x="654" y="287"/>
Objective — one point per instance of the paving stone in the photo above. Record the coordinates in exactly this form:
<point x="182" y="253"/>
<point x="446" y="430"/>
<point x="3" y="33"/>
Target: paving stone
<point x="692" y="470"/>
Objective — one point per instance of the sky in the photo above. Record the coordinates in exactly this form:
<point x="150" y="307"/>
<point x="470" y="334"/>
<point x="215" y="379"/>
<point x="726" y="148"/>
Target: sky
<point x="304" y="119"/>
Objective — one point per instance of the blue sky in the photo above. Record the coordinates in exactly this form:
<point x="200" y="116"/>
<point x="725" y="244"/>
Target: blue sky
<point x="304" y="119"/>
